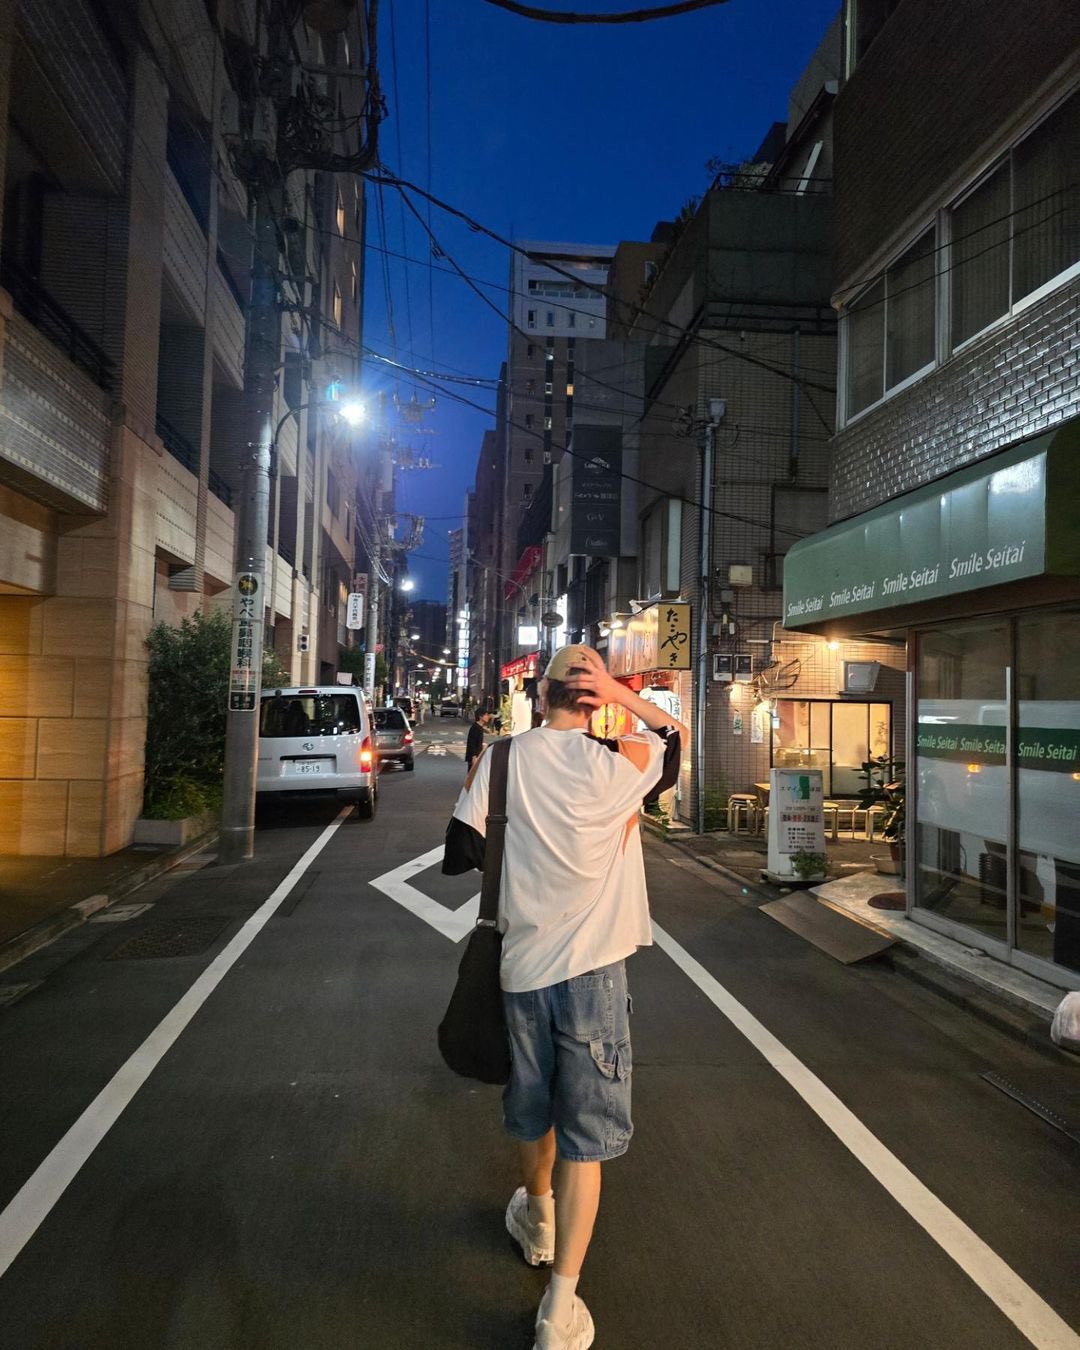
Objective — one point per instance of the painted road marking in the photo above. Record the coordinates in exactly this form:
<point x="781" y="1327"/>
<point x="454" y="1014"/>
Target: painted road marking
<point x="30" y="1207"/>
<point x="1030" y="1314"/>
<point x="451" y="923"/>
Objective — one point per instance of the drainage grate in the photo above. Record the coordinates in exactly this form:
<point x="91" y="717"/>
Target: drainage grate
<point x="172" y="937"/>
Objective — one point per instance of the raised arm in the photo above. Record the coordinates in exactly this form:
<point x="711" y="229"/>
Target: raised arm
<point x="598" y="687"/>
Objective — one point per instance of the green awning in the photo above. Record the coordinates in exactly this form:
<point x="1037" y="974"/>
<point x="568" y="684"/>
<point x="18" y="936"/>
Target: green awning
<point x="1011" y="517"/>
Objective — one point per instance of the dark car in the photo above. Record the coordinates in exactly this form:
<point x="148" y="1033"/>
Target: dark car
<point x="394" y="736"/>
<point x="407" y="706"/>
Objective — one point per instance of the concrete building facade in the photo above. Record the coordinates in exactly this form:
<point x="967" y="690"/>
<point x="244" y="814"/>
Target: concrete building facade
<point x="125" y="253"/>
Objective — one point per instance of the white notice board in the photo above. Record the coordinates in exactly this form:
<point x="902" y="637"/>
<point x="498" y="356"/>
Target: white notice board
<point x="796" y="820"/>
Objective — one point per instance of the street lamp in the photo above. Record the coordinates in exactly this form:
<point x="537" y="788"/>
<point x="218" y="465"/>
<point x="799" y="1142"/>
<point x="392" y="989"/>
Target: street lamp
<point x="414" y="637"/>
<point x="407" y="584"/>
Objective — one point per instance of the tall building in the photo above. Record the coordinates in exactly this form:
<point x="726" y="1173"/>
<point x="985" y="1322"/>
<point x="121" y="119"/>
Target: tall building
<point x="557" y="302"/>
<point x="457" y="605"/>
<point x="954" y="495"/>
<point x="125" y="261"/>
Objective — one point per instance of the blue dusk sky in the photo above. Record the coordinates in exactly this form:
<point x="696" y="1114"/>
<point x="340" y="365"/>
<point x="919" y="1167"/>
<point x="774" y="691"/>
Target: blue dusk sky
<point x="546" y="132"/>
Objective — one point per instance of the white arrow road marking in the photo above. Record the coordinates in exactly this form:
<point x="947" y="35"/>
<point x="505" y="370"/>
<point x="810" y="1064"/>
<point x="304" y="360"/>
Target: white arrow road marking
<point x="436" y="749"/>
<point x="451" y="923"/>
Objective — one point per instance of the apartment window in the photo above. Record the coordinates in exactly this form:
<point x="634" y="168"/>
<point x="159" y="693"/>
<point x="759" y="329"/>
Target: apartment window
<point x="890" y="327"/>
<point x="651" y="269"/>
<point x="526" y="491"/>
<point x="529" y="349"/>
<point x="528" y="454"/>
<point x="547" y="423"/>
<point x="550" y="318"/>
<point x="548" y="387"/>
<point x="530" y="319"/>
<point x="337" y="305"/>
<point x="355" y="283"/>
<point x="530" y="386"/>
<point x="339" y="214"/>
<point x="571" y="319"/>
<point x="569" y="391"/>
<point x="1018" y="231"/>
<point x="528" y="419"/>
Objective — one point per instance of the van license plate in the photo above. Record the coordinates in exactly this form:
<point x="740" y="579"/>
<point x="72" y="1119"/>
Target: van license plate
<point x="309" y="768"/>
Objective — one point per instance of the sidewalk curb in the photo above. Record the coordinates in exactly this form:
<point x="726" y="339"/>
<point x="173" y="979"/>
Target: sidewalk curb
<point x="43" y="932"/>
<point x="1001" y="1009"/>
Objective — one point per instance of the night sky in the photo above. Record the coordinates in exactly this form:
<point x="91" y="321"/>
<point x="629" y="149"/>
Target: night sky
<point x="539" y="131"/>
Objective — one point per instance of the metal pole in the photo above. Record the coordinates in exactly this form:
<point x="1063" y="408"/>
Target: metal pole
<point x="372" y="634"/>
<point x="252" y="517"/>
<point x="705" y="516"/>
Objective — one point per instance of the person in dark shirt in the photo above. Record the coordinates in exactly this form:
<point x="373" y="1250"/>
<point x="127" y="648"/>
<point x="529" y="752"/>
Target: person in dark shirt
<point x="475" y="741"/>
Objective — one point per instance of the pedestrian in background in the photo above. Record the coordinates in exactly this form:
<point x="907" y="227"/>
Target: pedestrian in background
<point x="474" y="742"/>
<point x="572" y="907"/>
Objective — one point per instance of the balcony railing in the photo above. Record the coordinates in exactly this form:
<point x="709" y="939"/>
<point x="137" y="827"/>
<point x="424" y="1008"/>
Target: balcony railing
<point x="35" y="303"/>
<point x="177" y="444"/>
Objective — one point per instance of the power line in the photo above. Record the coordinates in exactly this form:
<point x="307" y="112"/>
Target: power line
<point x="627" y="16"/>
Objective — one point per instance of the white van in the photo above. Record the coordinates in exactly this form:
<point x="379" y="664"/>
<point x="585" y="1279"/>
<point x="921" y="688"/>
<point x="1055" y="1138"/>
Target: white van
<point x="318" y="740"/>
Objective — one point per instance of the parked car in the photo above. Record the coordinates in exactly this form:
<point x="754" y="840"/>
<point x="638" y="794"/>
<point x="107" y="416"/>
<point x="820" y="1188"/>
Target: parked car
<point x="318" y="740"/>
<point x="407" y="704"/>
<point x="394" y="736"/>
<point x="449" y="708"/>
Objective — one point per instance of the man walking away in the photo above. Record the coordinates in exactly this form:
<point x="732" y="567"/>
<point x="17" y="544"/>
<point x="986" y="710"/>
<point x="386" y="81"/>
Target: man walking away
<point x="474" y="742"/>
<point x="572" y="907"/>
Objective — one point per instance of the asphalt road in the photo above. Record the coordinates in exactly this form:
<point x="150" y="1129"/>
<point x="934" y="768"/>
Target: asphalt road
<point x="275" y="1156"/>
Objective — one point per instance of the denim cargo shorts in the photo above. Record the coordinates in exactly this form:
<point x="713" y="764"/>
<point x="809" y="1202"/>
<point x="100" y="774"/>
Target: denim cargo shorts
<point x="570" y="1047"/>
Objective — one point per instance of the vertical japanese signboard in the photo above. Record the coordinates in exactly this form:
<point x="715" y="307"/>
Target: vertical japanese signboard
<point x="796" y="819"/>
<point x="246" y="646"/>
<point x="596" y="502"/>
<point x="673" y="636"/>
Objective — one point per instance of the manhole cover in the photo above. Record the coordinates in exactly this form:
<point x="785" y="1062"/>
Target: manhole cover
<point x="888" y="900"/>
<point x="172" y="937"/>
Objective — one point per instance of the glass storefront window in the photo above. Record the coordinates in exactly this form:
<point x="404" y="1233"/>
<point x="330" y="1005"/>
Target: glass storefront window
<point x="835" y="737"/>
<point x="1048" y="787"/>
<point x="961" y="866"/>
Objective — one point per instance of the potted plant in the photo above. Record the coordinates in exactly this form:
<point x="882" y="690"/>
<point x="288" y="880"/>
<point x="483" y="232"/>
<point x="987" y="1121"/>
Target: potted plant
<point x="886" y="786"/>
<point x="808" y="866"/>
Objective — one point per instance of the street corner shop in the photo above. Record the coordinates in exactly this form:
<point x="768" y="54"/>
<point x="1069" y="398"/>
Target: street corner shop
<point x="980" y="572"/>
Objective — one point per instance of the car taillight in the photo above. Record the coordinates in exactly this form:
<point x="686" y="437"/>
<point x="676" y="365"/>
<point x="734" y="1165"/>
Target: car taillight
<point x="407" y="738"/>
<point x="367" y="754"/>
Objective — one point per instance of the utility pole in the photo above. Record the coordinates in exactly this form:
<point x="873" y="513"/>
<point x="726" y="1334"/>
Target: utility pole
<point x="371" y="637"/>
<point x="280" y="129"/>
<point x="252" y="516"/>
<point x="717" y="409"/>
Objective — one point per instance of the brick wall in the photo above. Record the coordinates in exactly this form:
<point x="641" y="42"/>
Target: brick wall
<point x="1020" y="379"/>
<point x="935" y="84"/>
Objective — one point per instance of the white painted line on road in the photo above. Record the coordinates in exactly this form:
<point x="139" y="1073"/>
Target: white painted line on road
<point x="30" y="1207"/>
<point x="451" y="923"/>
<point x="1031" y="1315"/>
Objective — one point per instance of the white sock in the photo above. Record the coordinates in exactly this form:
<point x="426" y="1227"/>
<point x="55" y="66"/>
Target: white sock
<point x="560" y="1299"/>
<point x="542" y="1208"/>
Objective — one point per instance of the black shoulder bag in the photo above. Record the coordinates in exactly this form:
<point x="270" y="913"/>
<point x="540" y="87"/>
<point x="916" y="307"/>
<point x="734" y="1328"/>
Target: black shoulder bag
<point x="472" y="1035"/>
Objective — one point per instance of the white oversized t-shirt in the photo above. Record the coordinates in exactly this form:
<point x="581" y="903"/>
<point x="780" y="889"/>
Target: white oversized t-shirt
<point x="572" y="894"/>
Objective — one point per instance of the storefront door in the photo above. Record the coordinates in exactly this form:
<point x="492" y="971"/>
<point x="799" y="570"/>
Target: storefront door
<point x="995" y="846"/>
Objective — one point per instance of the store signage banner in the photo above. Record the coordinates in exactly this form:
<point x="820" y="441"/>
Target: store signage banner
<point x="656" y="638"/>
<point x="1011" y="517"/>
<point x="796" y="817"/>
<point x="596" y="494"/>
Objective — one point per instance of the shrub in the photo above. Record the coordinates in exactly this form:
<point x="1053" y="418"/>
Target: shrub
<point x="186" y="713"/>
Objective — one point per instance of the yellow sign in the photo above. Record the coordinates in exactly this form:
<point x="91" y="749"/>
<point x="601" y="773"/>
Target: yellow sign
<point x="656" y="638"/>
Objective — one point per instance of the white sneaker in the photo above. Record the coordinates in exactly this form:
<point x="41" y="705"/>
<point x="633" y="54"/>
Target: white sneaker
<point x="578" y="1336"/>
<point x="537" y="1240"/>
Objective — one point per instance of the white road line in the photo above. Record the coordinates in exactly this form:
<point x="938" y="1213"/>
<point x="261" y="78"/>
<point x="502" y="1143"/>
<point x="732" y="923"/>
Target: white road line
<point x="452" y="923"/>
<point x="30" y="1207"/>
<point x="1031" y="1315"/>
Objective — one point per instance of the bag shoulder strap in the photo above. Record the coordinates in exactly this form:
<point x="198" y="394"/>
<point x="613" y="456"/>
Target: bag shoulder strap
<point x="495" y="828"/>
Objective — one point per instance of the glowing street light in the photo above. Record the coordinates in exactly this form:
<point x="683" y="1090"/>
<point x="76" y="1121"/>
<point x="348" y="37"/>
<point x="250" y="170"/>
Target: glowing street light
<point x="407" y="584"/>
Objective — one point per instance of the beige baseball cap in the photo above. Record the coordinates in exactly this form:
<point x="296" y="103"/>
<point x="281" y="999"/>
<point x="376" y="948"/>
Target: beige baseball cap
<point x="565" y="660"/>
